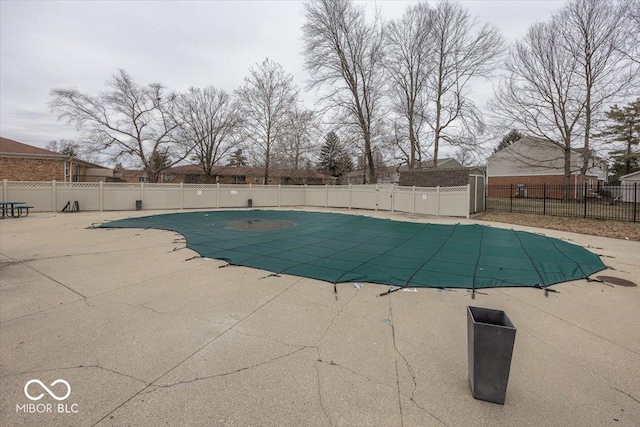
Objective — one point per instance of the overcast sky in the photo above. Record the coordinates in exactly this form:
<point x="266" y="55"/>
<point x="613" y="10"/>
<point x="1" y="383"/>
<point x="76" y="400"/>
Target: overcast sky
<point x="80" y="44"/>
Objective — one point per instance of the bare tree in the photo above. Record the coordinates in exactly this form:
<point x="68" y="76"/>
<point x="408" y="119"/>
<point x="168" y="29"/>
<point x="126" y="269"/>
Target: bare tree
<point x="298" y="142"/>
<point x="409" y="64"/>
<point x="540" y="92"/>
<point x="68" y="147"/>
<point x="343" y="53"/>
<point x="211" y="121"/>
<point x="461" y="52"/>
<point x="126" y="121"/>
<point x="266" y="98"/>
<point x="595" y="33"/>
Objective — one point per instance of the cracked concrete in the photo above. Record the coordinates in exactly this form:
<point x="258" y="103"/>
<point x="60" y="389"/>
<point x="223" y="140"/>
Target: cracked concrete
<point x="146" y="338"/>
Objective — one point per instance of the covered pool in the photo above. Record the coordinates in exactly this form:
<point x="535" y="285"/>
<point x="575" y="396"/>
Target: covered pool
<point x="352" y="248"/>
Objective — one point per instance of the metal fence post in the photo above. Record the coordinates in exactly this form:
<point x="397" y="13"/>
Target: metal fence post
<point x="510" y="198"/>
<point x="544" y="199"/>
<point x="584" y="196"/>
<point x="635" y="201"/>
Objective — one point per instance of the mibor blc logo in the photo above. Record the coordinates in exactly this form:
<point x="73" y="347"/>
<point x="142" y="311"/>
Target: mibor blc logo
<point x="35" y="390"/>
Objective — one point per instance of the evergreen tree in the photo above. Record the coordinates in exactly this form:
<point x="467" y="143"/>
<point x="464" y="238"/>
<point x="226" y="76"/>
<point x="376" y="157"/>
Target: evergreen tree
<point x="624" y="128"/>
<point x="237" y="159"/>
<point x="513" y="136"/>
<point x="334" y="159"/>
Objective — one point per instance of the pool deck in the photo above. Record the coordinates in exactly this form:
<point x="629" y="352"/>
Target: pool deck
<point x="146" y="333"/>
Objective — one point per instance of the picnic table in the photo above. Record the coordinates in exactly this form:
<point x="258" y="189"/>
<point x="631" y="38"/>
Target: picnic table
<point x="16" y="209"/>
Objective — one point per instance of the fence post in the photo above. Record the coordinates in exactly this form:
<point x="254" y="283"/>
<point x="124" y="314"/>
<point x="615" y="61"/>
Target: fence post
<point x="438" y="200"/>
<point x="635" y="201"/>
<point x="279" y="194"/>
<point x="349" y="195"/>
<point x="54" y="196"/>
<point x="5" y="190"/>
<point x="181" y="195"/>
<point x="392" y="190"/>
<point x="142" y="191"/>
<point x="510" y="198"/>
<point x="544" y="198"/>
<point x="377" y="196"/>
<point x="584" y="196"/>
<point x="326" y="195"/>
<point x="468" y="199"/>
<point x="413" y="200"/>
<point x="101" y="197"/>
<point x="218" y="195"/>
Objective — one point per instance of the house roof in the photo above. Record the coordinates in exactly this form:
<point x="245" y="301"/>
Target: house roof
<point x="10" y="146"/>
<point x="246" y="171"/>
<point x="629" y="175"/>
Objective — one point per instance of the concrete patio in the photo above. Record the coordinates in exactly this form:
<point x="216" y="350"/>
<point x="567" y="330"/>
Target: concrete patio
<point x="147" y="333"/>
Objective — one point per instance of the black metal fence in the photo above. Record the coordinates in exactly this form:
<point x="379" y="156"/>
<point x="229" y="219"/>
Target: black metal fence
<point x="620" y="202"/>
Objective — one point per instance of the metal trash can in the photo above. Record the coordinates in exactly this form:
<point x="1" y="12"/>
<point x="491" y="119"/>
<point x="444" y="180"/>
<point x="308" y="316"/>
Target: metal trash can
<point x="250" y="203"/>
<point x="138" y="205"/>
<point x="491" y="337"/>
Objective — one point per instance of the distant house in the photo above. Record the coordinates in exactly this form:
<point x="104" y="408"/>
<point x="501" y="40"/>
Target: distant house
<point x="24" y="162"/>
<point x="533" y="162"/>
<point x="193" y="174"/>
<point x="631" y="182"/>
<point x="391" y="174"/>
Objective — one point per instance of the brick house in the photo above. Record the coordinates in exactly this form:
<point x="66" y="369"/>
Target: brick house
<point x="529" y="163"/>
<point x="193" y="174"/>
<point x="23" y="162"/>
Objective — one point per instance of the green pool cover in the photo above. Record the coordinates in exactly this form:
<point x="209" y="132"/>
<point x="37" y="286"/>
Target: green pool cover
<point x="352" y="248"/>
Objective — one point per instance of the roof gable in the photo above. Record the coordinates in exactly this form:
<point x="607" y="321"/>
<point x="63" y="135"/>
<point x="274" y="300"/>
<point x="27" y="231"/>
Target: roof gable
<point x="10" y="146"/>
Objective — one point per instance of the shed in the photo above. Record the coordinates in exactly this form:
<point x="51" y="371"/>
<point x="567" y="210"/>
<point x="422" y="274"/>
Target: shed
<point x="453" y="177"/>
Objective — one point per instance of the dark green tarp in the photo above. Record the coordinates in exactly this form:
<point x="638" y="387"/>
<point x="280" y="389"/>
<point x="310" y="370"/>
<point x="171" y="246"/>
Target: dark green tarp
<point x="352" y="248"/>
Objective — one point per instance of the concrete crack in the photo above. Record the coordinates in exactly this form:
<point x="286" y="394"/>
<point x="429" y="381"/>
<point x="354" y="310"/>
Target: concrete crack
<point x="335" y="317"/>
<point x="627" y="394"/>
<point x="211" y="341"/>
<point x="75" y="367"/>
<point x="224" y="374"/>
<point x="324" y="410"/>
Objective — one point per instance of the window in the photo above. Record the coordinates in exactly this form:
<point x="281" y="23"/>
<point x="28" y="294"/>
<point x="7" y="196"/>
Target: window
<point x="143" y="179"/>
<point x="239" y="179"/>
<point x="76" y="175"/>
<point x="169" y="177"/>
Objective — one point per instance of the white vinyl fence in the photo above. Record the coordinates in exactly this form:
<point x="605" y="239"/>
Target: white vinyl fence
<point x="98" y="196"/>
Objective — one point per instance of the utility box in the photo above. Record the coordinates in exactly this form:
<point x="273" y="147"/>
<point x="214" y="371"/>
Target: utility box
<point x="138" y="205"/>
<point x="491" y="337"/>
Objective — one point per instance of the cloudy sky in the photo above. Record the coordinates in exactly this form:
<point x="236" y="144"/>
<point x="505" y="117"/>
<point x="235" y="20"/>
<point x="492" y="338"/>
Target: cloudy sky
<point x="80" y="44"/>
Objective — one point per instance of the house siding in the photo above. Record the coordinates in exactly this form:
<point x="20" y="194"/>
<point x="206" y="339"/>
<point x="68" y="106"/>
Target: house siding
<point x="16" y="169"/>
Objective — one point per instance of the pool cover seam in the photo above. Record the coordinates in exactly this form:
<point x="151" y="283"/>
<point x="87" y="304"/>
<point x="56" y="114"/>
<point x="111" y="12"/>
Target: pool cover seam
<point x="431" y="257"/>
